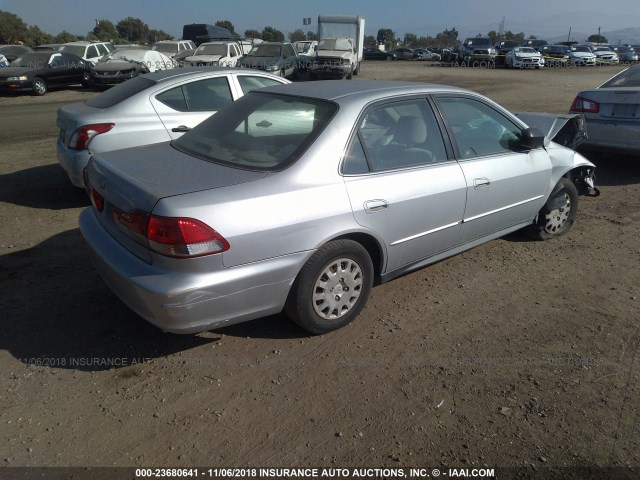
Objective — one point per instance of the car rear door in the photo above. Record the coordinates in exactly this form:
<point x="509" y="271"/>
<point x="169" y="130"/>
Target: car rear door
<point x="182" y="107"/>
<point x="402" y="184"/>
<point x="506" y="184"/>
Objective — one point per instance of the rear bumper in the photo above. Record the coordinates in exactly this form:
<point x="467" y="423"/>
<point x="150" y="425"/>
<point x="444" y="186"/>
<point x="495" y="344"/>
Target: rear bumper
<point x="72" y="162"/>
<point x="612" y="135"/>
<point x="189" y="302"/>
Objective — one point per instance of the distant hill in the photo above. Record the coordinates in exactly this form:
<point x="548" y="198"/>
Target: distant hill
<point x="625" y="35"/>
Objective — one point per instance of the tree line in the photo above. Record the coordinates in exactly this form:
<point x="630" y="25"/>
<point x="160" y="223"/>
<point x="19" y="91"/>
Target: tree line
<point x="133" y="30"/>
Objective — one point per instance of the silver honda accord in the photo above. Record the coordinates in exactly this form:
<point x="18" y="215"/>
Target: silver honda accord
<point x="301" y="197"/>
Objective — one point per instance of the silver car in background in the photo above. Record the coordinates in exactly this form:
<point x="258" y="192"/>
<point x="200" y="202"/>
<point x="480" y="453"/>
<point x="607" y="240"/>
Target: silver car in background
<point x="153" y="108"/>
<point x="301" y="197"/>
<point x="612" y="112"/>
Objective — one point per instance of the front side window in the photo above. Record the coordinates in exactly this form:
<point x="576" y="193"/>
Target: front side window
<point x="92" y="52"/>
<point x="260" y="132"/>
<point x="397" y="135"/>
<point x="477" y="128"/>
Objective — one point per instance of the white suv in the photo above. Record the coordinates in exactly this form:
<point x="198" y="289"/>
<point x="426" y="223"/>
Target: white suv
<point x="90" y="51"/>
<point x="214" y="54"/>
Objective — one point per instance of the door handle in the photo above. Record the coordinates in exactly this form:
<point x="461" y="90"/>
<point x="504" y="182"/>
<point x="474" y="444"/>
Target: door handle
<point x="374" y="206"/>
<point x="481" y="183"/>
<point x="181" y="129"/>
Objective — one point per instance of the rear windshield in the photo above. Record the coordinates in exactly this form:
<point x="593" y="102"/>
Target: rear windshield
<point x="75" y="49"/>
<point x="120" y="92"/>
<point x="627" y="78"/>
<point x="259" y="131"/>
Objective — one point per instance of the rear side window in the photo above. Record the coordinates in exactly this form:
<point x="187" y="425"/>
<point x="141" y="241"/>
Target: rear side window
<point x="120" y="92"/>
<point x="202" y="96"/>
<point x="250" y="82"/>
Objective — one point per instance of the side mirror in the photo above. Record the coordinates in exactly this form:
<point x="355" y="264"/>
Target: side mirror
<point x="532" y="138"/>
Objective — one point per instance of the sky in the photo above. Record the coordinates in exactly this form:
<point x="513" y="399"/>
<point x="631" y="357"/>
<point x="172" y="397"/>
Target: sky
<point x="543" y="18"/>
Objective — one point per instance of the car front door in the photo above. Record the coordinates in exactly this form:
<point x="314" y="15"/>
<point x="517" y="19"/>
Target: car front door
<point x="506" y="184"/>
<point x="182" y="107"/>
<point x="402" y="184"/>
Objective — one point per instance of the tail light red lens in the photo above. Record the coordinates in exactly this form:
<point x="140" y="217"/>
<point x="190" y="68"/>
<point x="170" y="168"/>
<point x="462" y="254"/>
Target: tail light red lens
<point x="97" y="200"/>
<point x="584" y="105"/>
<point x="172" y="236"/>
<point x="83" y="135"/>
<point x="183" y="237"/>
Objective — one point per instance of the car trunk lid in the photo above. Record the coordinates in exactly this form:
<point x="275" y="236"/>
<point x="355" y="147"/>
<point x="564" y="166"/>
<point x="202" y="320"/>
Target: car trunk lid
<point x="135" y="179"/>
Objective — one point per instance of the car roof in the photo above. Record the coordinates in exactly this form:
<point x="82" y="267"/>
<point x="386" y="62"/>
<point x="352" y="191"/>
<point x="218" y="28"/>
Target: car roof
<point x="332" y="90"/>
<point x="174" y="73"/>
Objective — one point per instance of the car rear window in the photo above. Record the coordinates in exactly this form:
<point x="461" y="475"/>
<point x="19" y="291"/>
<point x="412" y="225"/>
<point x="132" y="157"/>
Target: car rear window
<point x="626" y="78"/>
<point x="120" y="92"/>
<point x="259" y="131"/>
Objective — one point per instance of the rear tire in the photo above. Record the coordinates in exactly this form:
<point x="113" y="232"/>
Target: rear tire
<point x="558" y="214"/>
<point x="332" y="287"/>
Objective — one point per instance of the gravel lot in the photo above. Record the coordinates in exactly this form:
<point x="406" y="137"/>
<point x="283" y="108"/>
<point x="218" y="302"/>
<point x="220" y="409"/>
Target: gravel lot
<point x="514" y="354"/>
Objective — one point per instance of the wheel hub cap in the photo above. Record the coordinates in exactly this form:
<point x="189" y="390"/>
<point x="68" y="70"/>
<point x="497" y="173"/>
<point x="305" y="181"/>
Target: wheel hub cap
<point x="337" y="288"/>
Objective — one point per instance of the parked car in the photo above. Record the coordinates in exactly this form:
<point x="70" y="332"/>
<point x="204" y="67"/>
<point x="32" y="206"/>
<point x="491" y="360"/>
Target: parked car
<point x="121" y="65"/>
<point x="300" y="197"/>
<point x="502" y="48"/>
<point x="523" y="57"/>
<point x="176" y="49"/>
<point x="214" y="54"/>
<point x="90" y="51"/>
<point x="612" y="112"/>
<point x="605" y="55"/>
<point x="626" y="54"/>
<point x="39" y="71"/>
<point x="536" y="44"/>
<point x="11" y="52"/>
<point x="581" y="55"/>
<point x="478" y="50"/>
<point x="377" y="54"/>
<point x="171" y="48"/>
<point x="404" y="53"/>
<point x="274" y="57"/>
<point x="153" y="108"/>
<point x="556" y="55"/>
<point x="426" y="54"/>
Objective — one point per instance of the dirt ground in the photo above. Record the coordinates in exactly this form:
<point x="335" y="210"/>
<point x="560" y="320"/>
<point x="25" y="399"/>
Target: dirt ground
<point x="514" y="354"/>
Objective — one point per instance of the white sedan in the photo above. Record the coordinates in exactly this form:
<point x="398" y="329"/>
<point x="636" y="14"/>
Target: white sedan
<point x="523" y="57"/>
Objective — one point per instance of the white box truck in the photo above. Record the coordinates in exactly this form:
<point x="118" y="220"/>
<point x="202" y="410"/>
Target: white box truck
<point x="340" y="45"/>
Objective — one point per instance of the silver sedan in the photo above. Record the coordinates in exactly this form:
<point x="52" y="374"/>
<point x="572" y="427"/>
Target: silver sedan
<point x="153" y="108"/>
<point x="612" y="112"/>
<point x="301" y="197"/>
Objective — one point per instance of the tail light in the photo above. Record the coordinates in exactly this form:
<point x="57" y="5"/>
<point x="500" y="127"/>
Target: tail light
<point x="584" y="105"/>
<point x="172" y="236"/>
<point x="83" y="135"/>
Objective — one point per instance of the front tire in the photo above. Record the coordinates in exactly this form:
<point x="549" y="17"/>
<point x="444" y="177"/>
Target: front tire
<point x="39" y="86"/>
<point x="558" y="214"/>
<point x="332" y="287"/>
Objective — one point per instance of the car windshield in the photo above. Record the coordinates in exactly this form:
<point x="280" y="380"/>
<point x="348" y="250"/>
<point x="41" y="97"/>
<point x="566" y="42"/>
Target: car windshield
<point x="215" y="49"/>
<point x="259" y="131"/>
<point x="627" y="78"/>
<point x="525" y="50"/>
<point x="602" y="49"/>
<point x="265" y="51"/>
<point x="581" y="49"/>
<point x="166" y="47"/>
<point x="126" y="55"/>
<point x="120" y="92"/>
<point x="479" y="41"/>
<point x="75" y="49"/>
<point x="32" y="60"/>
